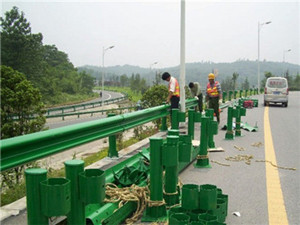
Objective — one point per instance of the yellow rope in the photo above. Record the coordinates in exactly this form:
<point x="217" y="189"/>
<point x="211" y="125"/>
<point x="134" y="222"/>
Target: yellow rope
<point x="239" y="148"/>
<point x="202" y="156"/>
<point x="280" y="167"/>
<point x="222" y="164"/>
<point x="237" y="158"/>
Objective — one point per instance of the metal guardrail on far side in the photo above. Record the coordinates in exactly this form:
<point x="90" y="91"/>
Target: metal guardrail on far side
<point x="85" y="105"/>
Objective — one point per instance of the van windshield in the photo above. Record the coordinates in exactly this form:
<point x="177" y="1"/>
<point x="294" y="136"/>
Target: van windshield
<point x="276" y="83"/>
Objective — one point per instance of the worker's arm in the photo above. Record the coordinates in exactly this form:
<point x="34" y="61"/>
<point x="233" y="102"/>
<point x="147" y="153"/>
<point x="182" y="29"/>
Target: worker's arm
<point x="169" y="96"/>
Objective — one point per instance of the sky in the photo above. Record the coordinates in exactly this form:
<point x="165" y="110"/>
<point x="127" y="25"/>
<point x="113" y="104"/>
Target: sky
<point x="145" y="32"/>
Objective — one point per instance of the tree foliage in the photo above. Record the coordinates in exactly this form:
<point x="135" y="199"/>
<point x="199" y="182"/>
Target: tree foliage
<point x="19" y="100"/>
<point x="44" y="66"/>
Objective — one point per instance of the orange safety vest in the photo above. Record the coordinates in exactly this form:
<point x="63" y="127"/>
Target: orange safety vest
<point x="177" y="91"/>
<point x="212" y="91"/>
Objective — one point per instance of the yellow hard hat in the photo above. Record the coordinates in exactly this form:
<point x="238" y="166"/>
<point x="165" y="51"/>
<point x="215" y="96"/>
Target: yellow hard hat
<point x="211" y="76"/>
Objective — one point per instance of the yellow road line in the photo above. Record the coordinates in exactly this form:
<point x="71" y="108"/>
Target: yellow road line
<point x="276" y="207"/>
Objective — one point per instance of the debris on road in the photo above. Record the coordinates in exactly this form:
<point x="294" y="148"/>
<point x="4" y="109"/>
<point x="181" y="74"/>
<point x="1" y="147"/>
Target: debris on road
<point x="239" y="148"/>
<point x="238" y="158"/>
<point x="257" y="144"/>
<point x="280" y="167"/>
<point x="236" y="214"/>
<point x="222" y="164"/>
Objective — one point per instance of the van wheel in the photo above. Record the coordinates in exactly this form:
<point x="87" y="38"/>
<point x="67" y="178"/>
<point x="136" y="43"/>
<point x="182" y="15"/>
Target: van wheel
<point x="286" y="104"/>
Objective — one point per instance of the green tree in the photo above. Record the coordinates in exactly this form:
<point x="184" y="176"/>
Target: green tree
<point x="246" y="84"/>
<point x="227" y="84"/>
<point x="267" y="75"/>
<point x="21" y="49"/>
<point x="154" y="96"/>
<point x="19" y="99"/>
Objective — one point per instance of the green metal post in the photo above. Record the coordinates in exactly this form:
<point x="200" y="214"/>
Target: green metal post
<point x="240" y="111"/>
<point x="174" y="120"/>
<point x="173" y="132"/>
<point x="246" y="93"/>
<point x="241" y="93"/>
<point x="251" y="91"/>
<point x="112" y="151"/>
<point x="230" y="95"/>
<point x="211" y="143"/>
<point x="235" y="94"/>
<point x="77" y="212"/>
<point x="191" y="123"/>
<point x="153" y="213"/>
<point x="33" y="196"/>
<point x="164" y="126"/>
<point x="202" y="157"/>
<point x="170" y="161"/>
<point x="224" y="96"/>
<point x="229" y="132"/>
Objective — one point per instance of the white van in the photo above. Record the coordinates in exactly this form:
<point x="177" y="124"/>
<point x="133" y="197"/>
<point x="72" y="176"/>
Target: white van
<point x="276" y="91"/>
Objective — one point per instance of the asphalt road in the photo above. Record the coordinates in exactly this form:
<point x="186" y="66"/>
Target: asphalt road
<point x="58" y="122"/>
<point x="248" y="185"/>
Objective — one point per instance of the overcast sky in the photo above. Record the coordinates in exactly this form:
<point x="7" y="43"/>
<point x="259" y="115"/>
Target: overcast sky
<point x="144" y="32"/>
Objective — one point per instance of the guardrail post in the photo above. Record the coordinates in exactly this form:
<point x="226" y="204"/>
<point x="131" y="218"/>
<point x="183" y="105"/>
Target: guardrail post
<point x="77" y="213"/>
<point x="202" y="157"/>
<point x="163" y="126"/>
<point x="176" y="118"/>
<point x="246" y="93"/>
<point x="191" y="124"/>
<point x="33" y="196"/>
<point x="156" y="207"/>
<point x="235" y="93"/>
<point x="224" y="96"/>
<point x="241" y="93"/>
<point x="210" y="115"/>
<point x="112" y="151"/>
<point x="170" y="161"/>
<point x="229" y="96"/>
<point x="229" y="132"/>
<point x="240" y="111"/>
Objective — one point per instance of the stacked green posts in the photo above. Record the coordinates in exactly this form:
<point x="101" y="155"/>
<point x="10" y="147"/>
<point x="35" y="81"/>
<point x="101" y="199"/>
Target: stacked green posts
<point x="207" y="126"/>
<point x="156" y="208"/>
<point x="112" y="151"/>
<point x="170" y="161"/>
<point x="164" y="126"/>
<point x="204" y="204"/>
<point x="60" y="196"/>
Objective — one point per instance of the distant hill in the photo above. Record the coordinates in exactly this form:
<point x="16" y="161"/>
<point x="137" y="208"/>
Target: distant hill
<point x="198" y="71"/>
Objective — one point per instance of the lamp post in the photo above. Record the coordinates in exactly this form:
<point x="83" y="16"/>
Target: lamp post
<point x="284" y="58"/>
<point x="103" y="72"/>
<point x="151" y="69"/>
<point x="258" y="69"/>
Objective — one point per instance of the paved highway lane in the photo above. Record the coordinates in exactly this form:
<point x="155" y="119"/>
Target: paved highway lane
<point x="285" y="128"/>
<point x="247" y="185"/>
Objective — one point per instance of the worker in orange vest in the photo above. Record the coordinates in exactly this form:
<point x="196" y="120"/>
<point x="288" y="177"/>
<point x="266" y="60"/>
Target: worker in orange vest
<point x="174" y="92"/>
<point x="213" y="95"/>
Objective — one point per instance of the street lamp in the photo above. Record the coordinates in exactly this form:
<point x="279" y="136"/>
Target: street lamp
<point x="258" y="69"/>
<point x="284" y="58"/>
<point x="284" y="53"/>
<point x="103" y="72"/>
<point x="151" y="69"/>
